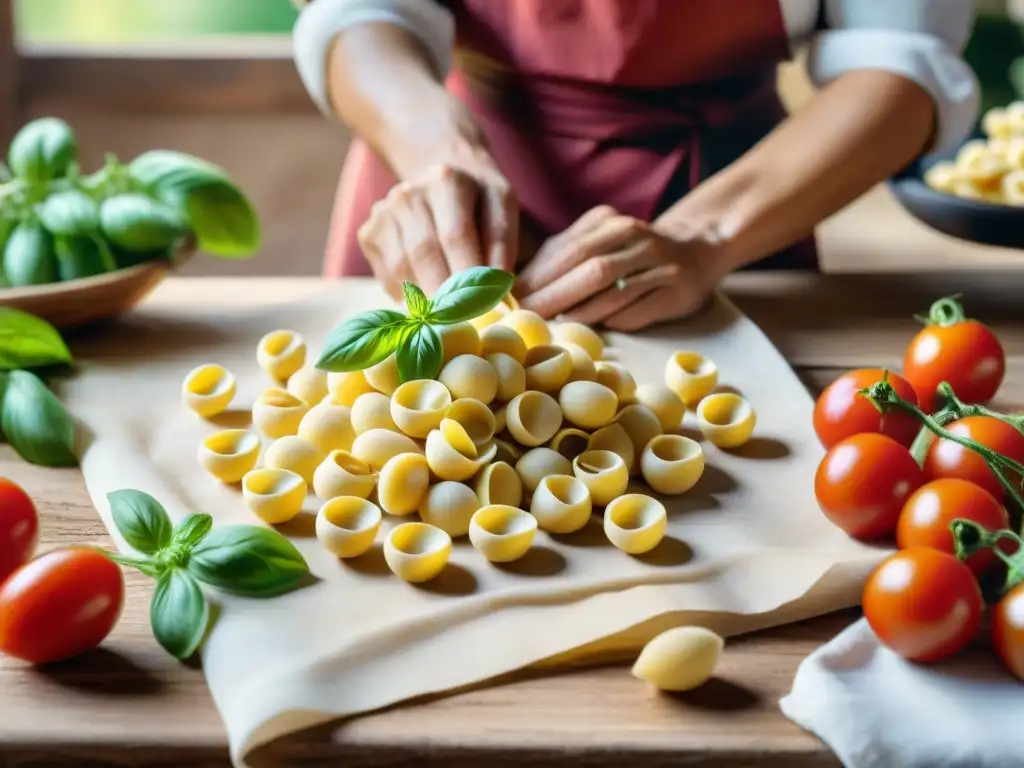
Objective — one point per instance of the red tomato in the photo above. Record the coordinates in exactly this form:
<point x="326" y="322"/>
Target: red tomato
<point x="1008" y="630"/>
<point x="19" y="527"/>
<point x="923" y="604"/>
<point x="840" y="412"/>
<point x="924" y="521"/>
<point x="59" y="605"/>
<point x="948" y="459"/>
<point x="863" y="483"/>
<point x="966" y="354"/>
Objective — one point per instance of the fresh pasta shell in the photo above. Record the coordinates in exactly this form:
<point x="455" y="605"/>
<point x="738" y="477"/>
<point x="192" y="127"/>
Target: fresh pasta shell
<point x="530" y="326"/>
<point x="548" y="368"/>
<point x="604" y="473"/>
<point x="418" y="406"/>
<point x="726" y="419"/>
<point x="511" y="376"/>
<point x="328" y="427"/>
<point x="452" y="455"/>
<point x="635" y="523"/>
<point x="342" y="474"/>
<point x="506" y="451"/>
<point x="570" y="442"/>
<point x="417" y="552"/>
<point x="664" y="403"/>
<point x="383" y="376"/>
<point x="490" y="318"/>
<point x="471" y="377"/>
<point x="642" y="426"/>
<point x="449" y="506"/>
<point x="278" y="413"/>
<point x="501" y="533"/>
<point x="588" y="404"/>
<point x="691" y="376"/>
<point x="582" y="336"/>
<point x="345" y="388"/>
<point x="281" y="353"/>
<point x="275" y="496"/>
<point x="498" y="483"/>
<point x="679" y="659"/>
<point x="476" y="418"/>
<point x="458" y="339"/>
<point x="618" y="379"/>
<point x="209" y="389"/>
<point x="672" y="464"/>
<point x="372" y="411"/>
<point x="533" y="418"/>
<point x="561" y="504"/>
<point x="502" y="339"/>
<point x="230" y="454"/>
<point x="402" y="483"/>
<point x="347" y="526"/>
<point x="538" y="463"/>
<point x="309" y="384"/>
<point x="295" y="454"/>
<point x="583" y="368"/>
<point x="378" y="445"/>
<point x="613" y="438"/>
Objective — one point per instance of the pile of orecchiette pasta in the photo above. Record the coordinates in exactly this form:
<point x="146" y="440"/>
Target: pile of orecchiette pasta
<point x="989" y="169"/>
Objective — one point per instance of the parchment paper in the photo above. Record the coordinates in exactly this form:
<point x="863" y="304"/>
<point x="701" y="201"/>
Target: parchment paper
<point x="747" y="548"/>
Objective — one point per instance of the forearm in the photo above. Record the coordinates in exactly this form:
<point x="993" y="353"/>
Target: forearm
<point x="856" y="132"/>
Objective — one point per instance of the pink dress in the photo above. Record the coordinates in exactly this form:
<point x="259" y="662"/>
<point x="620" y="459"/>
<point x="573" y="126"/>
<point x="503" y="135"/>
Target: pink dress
<point x="628" y="103"/>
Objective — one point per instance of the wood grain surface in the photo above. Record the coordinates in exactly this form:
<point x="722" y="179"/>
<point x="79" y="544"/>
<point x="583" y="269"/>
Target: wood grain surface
<point x="130" y="705"/>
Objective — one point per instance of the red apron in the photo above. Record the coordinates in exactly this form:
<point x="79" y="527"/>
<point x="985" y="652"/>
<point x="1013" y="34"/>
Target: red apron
<point x="628" y="103"/>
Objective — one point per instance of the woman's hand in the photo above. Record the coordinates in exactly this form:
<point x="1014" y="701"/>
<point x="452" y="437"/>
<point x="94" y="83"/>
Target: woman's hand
<point x="446" y="218"/>
<point x="619" y="272"/>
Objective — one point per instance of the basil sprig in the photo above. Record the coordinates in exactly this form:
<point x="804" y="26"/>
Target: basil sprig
<point x="245" y="560"/>
<point x="370" y="337"/>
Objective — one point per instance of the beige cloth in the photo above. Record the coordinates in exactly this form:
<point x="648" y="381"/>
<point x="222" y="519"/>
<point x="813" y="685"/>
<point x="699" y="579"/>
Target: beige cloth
<point x="747" y="548"/>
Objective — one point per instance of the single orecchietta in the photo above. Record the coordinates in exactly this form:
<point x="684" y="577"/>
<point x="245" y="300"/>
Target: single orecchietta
<point x="342" y="474"/>
<point x="726" y="419"/>
<point x="280" y="354"/>
<point x="679" y="659"/>
<point x="603" y="473"/>
<point x="635" y="523"/>
<point x="418" y="406"/>
<point x="347" y="526"/>
<point x="501" y="533"/>
<point x="295" y="454"/>
<point x="691" y="376"/>
<point x="672" y="464"/>
<point x="561" y="504"/>
<point x="228" y="455"/>
<point x="209" y="389"/>
<point x="278" y="413"/>
<point x="275" y="496"/>
<point x="417" y="552"/>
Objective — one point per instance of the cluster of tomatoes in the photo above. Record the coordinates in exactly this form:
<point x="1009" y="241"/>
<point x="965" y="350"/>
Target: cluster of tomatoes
<point x="923" y="602"/>
<point x="57" y="605"/>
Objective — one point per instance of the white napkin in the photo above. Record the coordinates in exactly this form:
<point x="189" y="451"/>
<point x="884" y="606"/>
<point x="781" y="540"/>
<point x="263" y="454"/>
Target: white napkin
<point x="876" y="710"/>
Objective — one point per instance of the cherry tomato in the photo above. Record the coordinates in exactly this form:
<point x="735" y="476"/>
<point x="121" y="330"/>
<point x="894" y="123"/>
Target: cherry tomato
<point x="59" y="605"/>
<point x="923" y="604"/>
<point x="864" y="481"/>
<point x="19" y="527"/>
<point x="924" y="521"/>
<point x="1008" y="630"/>
<point x="964" y="353"/>
<point x="948" y="459"/>
<point x="840" y="412"/>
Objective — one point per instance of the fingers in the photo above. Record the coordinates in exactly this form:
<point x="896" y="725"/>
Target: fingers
<point x="500" y="224"/>
<point x="660" y="305"/>
<point x="604" y="237"/>
<point x="452" y="200"/>
<point x="594" y="276"/>
<point x="420" y="244"/>
<point x="382" y="245"/>
<point x="595" y="310"/>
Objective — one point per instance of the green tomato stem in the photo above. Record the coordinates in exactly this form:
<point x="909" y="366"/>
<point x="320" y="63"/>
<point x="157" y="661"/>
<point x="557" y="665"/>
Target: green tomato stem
<point x="946" y="312"/>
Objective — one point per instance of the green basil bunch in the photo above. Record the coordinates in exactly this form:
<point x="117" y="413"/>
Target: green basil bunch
<point x="57" y="224"/>
<point x="368" y="338"/>
<point x="244" y="560"/>
<point x="32" y="419"/>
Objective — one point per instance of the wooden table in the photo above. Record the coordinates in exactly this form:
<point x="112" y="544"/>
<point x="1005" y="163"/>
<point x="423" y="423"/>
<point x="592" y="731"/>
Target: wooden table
<point x="130" y="705"/>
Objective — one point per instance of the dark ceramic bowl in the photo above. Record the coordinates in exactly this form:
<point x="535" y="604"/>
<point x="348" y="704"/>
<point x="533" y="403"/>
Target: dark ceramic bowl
<point x="973" y="220"/>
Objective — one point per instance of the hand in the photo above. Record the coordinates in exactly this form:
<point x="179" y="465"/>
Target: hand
<point x="447" y="218"/>
<point x="619" y="272"/>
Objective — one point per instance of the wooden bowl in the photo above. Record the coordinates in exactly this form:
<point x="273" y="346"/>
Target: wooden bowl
<point x="88" y="299"/>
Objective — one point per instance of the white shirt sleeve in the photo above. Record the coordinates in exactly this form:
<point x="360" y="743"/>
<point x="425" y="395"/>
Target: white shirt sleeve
<point x="321" y="21"/>
<point x="920" y="40"/>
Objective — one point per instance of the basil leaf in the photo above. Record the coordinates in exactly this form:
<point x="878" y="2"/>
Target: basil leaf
<point x="179" y="613"/>
<point x="415" y="300"/>
<point x="29" y="256"/>
<point x="36" y="423"/>
<point x="83" y="256"/>
<point x="161" y="170"/>
<point x="69" y="213"/>
<point x="363" y="340"/>
<point x="42" y="150"/>
<point x="141" y="520"/>
<point x="139" y="223"/>
<point x="420" y="355"/>
<point x="468" y="294"/>
<point x="222" y="219"/>
<point x="27" y="341"/>
<point x="192" y="529"/>
<point x="247" y="560"/>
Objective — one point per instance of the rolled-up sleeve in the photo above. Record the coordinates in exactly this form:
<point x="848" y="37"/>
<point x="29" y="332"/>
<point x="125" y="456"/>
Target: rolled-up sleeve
<point x="921" y="40"/>
<point x="321" y="21"/>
